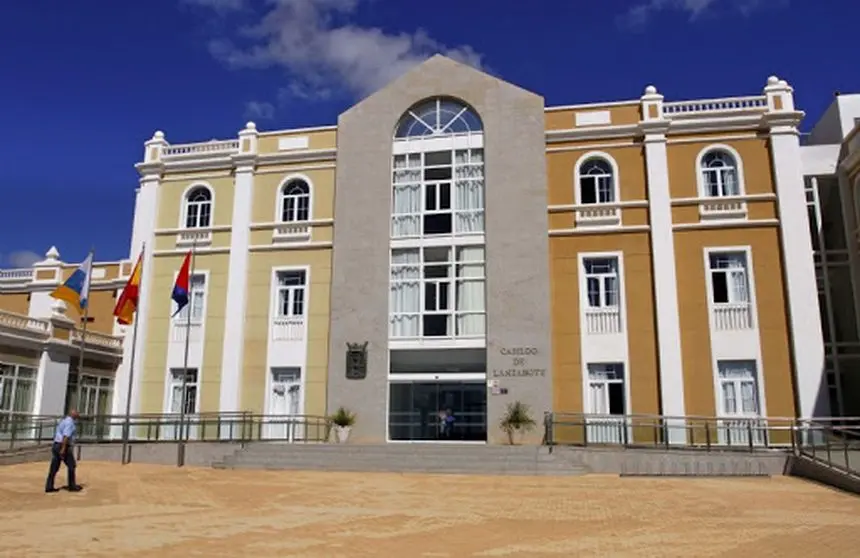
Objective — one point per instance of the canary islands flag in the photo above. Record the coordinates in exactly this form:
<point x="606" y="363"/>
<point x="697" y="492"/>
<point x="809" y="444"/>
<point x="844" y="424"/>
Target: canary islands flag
<point x="126" y="305"/>
<point x="76" y="289"/>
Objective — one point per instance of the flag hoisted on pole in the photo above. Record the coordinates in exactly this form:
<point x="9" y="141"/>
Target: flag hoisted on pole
<point x="125" y="310"/>
<point x="76" y="291"/>
<point x="182" y="295"/>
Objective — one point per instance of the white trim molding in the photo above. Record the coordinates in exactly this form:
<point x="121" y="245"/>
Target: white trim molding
<point x="721" y="207"/>
<point x="598" y="214"/>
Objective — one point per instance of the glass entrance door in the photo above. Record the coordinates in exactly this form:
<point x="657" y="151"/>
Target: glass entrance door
<point x="444" y="411"/>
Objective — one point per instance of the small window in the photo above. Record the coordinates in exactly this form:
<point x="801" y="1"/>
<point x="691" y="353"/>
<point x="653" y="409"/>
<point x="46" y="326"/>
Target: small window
<point x="291" y="294"/>
<point x="729" y="280"/>
<point x="296" y="202"/>
<point x="720" y="174"/>
<point x="198" y="208"/>
<point x="601" y="282"/>
<point x="596" y="182"/>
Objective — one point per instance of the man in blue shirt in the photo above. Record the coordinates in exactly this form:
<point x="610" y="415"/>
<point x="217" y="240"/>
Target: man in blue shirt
<point x="62" y="452"/>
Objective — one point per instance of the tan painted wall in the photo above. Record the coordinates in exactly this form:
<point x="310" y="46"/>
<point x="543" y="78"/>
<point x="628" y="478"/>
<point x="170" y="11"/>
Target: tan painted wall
<point x="23" y="357"/>
<point x="267" y="194"/>
<point x="17" y="303"/>
<point x="638" y="298"/>
<point x="170" y="200"/>
<point x="158" y="330"/>
<point x="319" y="139"/>
<point x="755" y="155"/>
<point x="101" y="303"/>
<point x="700" y="398"/>
<point x="619" y="114"/>
<point x="631" y="170"/>
<point x="257" y="326"/>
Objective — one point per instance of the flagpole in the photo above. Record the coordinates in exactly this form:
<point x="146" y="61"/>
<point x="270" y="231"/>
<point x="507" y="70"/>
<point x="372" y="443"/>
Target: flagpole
<point x="127" y="427"/>
<point x="83" y="339"/>
<point x="180" y="461"/>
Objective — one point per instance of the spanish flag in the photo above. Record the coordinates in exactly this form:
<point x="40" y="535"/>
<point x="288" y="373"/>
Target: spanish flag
<point x="126" y="305"/>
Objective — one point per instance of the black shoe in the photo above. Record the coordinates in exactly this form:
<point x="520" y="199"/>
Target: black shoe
<point x="51" y="490"/>
<point x="75" y="488"/>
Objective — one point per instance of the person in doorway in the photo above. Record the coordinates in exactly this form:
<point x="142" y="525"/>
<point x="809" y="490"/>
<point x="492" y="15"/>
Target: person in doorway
<point x="449" y="424"/>
<point x="62" y="451"/>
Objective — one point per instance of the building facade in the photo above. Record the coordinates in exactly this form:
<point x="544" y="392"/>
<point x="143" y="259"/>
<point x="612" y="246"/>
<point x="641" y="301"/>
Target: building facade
<point x="637" y="257"/>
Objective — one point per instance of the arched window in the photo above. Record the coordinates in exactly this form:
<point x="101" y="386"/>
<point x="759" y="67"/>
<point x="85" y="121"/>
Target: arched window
<point x="719" y="171"/>
<point x="437" y="117"/>
<point x="296" y="201"/>
<point x="198" y="208"/>
<point x="596" y="181"/>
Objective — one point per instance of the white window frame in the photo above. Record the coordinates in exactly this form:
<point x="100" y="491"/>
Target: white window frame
<point x="180" y="320"/>
<point x="277" y="288"/>
<point x="169" y="385"/>
<point x="183" y="217"/>
<point x="601" y="278"/>
<point x="612" y="319"/>
<point x="294" y="327"/>
<point x="295" y="431"/>
<point x="600" y="213"/>
<point x="759" y="391"/>
<point x="625" y="381"/>
<point x="282" y="195"/>
<point x="578" y="175"/>
<point x="15" y="379"/>
<point x="752" y="302"/>
<point x="701" y="169"/>
<point x="420" y="147"/>
<point x="453" y="281"/>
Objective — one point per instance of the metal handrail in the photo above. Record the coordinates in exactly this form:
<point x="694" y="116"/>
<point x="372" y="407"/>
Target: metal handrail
<point x="20" y="429"/>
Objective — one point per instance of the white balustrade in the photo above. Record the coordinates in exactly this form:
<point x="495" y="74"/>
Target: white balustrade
<point x="16" y="275"/>
<point x="757" y="103"/>
<point x="288" y="328"/>
<point x="287" y="232"/>
<point x="18" y="321"/>
<point x="601" y="321"/>
<point x="598" y="215"/>
<point x="181" y="327"/>
<point x="722" y="208"/>
<point x="200" y="237"/>
<point x="96" y="338"/>
<point x="733" y="316"/>
<point x="203" y="148"/>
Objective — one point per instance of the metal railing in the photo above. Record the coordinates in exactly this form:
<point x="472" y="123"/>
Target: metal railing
<point x="28" y="430"/>
<point x="834" y="442"/>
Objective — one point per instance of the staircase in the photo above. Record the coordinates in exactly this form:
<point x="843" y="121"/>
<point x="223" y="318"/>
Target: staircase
<point x="405" y="458"/>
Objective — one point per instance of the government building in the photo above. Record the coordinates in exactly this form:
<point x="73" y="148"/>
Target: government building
<point x="474" y="248"/>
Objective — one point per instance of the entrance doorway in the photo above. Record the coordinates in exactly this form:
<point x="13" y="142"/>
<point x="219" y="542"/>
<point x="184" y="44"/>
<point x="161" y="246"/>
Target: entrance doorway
<point x="438" y="410"/>
<point x="285" y="405"/>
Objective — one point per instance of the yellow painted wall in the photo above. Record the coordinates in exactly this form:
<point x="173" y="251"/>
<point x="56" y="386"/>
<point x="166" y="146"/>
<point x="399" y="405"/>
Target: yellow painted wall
<point x="257" y="318"/>
<point x="17" y="303"/>
<point x="158" y="331"/>
<point x="267" y="188"/>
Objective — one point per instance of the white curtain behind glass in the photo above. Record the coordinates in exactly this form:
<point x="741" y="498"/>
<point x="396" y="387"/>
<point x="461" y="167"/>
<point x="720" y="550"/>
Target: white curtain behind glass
<point x="470" y="292"/>
<point x="405" y="293"/>
<point x="739" y="388"/>
<point x="469" y="188"/>
<point x="406" y="205"/>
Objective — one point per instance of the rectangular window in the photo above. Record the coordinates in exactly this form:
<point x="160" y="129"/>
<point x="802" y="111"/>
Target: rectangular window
<point x="601" y="282"/>
<point x="437" y="292"/>
<point x="290" y="295"/>
<point x="196" y="298"/>
<point x="175" y="402"/>
<point x="606" y="389"/>
<point x="729" y="278"/>
<point x="738" y="388"/>
<point x="17" y="392"/>
<point x="438" y="193"/>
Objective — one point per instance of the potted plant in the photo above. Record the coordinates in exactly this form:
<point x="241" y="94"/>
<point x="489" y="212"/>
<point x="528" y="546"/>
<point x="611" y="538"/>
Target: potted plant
<point x="342" y="420"/>
<point x="517" y="421"/>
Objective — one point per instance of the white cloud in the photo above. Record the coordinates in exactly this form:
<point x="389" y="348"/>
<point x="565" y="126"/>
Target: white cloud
<point x="23" y="258"/>
<point x="259" y="110"/>
<point x="641" y="13"/>
<point x="323" y="52"/>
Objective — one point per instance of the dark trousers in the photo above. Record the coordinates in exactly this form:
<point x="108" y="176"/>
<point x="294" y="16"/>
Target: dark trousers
<point x="56" y="459"/>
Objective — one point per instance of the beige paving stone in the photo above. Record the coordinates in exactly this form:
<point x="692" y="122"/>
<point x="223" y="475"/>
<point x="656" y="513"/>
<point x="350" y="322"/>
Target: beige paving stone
<point x="159" y="511"/>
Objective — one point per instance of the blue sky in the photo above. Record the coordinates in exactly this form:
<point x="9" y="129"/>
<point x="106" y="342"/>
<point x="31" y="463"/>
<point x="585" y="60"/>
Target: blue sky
<point x="85" y="83"/>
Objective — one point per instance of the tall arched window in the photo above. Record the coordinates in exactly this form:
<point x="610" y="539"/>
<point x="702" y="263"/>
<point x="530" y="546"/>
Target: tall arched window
<point x="719" y="171"/>
<point x="198" y="208"/>
<point x="438" y="177"/>
<point x="296" y="201"/>
<point x="438" y="192"/>
<point x="596" y="181"/>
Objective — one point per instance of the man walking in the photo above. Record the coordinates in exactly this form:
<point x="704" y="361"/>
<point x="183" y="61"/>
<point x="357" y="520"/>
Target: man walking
<point x="62" y="451"/>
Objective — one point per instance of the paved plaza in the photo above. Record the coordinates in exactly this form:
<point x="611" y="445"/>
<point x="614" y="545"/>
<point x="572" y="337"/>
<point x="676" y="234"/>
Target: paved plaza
<point x="148" y="510"/>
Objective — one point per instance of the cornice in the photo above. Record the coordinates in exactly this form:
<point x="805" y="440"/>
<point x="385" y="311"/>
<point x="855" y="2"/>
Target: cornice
<point x="592" y="132"/>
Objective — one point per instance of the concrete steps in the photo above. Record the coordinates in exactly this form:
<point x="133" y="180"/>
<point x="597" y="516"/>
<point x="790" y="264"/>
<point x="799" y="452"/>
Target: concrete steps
<point x="404" y="458"/>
